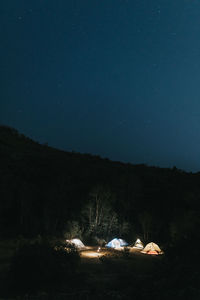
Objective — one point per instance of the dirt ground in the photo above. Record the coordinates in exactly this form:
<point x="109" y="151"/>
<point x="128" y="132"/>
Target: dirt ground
<point x="108" y="269"/>
<point x="116" y="260"/>
<point x="102" y="270"/>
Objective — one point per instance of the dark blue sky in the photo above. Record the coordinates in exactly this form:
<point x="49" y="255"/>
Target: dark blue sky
<point x="117" y="78"/>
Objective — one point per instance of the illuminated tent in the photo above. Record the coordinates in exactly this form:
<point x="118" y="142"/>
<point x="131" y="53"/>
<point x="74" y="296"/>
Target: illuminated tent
<point x="76" y="242"/>
<point x="152" y="248"/>
<point x="138" y="244"/>
<point x="116" y="243"/>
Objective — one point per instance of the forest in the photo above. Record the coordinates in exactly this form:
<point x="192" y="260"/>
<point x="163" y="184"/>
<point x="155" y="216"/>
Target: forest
<point x="49" y="194"/>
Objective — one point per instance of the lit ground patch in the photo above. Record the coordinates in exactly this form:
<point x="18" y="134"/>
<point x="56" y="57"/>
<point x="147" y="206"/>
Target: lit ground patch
<point x="91" y="254"/>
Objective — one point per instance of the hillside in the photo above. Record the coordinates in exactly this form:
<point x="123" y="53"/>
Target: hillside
<point x="42" y="188"/>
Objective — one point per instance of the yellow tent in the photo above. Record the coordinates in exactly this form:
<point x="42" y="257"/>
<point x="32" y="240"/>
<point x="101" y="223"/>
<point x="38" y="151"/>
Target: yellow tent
<point x="152" y="248"/>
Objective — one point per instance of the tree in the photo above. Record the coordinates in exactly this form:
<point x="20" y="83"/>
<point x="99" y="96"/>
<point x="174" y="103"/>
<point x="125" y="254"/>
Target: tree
<point x="145" y="220"/>
<point x="73" y="230"/>
<point x="99" y="217"/>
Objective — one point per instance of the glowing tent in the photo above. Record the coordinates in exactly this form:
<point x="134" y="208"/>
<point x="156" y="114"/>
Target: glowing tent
<point x="116" y="243"/>
<point x="152" y="248"/>
<point x="138" y="244"/>
<point x="76" y="242"/>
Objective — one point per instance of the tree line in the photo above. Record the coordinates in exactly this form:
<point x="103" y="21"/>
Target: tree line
<point x="50" y="192"/>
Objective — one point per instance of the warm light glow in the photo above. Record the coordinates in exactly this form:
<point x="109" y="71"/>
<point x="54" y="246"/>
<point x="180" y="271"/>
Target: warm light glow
<point x="91" y="254"/>
<point x="119" y="248"/>
<point x="152" y="252"/>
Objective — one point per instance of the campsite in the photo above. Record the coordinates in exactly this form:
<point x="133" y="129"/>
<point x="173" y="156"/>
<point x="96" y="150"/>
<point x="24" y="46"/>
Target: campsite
<point x="103" y="271"/>
<point x="100" y="150"/>
<point x="70" y="232"/>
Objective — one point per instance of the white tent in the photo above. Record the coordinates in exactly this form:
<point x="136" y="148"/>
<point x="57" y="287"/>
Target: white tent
<point x="152" y="248"/>
<point x="76" y="242"/>
<point x="116" y="243"/>
<point x="138" y="244"/>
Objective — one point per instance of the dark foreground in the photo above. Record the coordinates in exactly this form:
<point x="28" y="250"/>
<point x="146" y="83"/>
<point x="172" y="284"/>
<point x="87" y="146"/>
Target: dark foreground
<point x="39" y="273"/>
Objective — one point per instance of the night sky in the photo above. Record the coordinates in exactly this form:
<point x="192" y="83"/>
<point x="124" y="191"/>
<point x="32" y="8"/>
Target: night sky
<point x="116" y="78"/>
